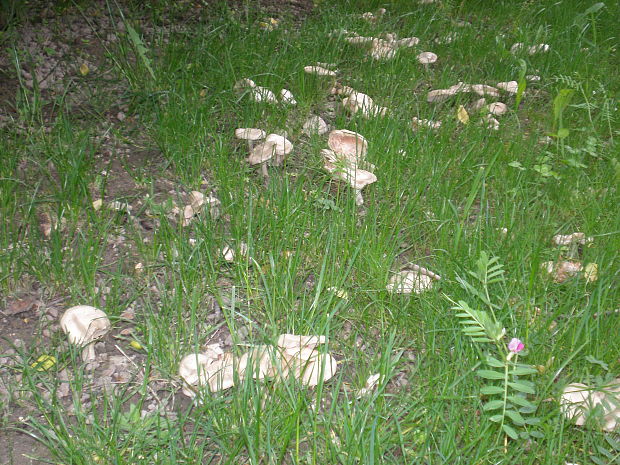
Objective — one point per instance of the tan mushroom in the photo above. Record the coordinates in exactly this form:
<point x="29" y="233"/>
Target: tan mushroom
<point x="84" y="325"/>
<point x="262" y="94"/>
<point x="315" y="125"/>
<point x="511" y="86"/>
<point x="382" y="50"/>
<point x="417" y="279"/>
<point x="300" y="358"/>
<point x="418" y="123"/>
<point x="570" y="239"/>
<point x="260" y="362"/>
<point x="349" y="147"/>
<point x="484" y="90"/>
<point x="319" y="71"/>
<point x="579" y="402"/>
<point x="356" y="178"/>
<point x="498" y="108"/>
<point x="286" y="96"/>
<point x="359" y="102"/>
<point x="251" y="135"/>
<point x="427" y="58"/>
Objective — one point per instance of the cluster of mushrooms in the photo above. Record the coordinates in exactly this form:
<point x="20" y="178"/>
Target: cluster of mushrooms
<point x="293" y="356"/>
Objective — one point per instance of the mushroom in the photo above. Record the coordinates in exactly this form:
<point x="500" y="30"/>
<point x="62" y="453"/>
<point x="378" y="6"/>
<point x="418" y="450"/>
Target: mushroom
<point x="213" y="367"/>
<point x="300" y="358"/>
<point x="319" y="71"/>
<point x="357" y="178"/>
<point x="570" y="239"/>
<point x="427" y="58"/>
<point x="262" y="94"/>
<point x="382" y="50"/>
<point x="357" y="40"/>
<point x="192" y="372"/>
<point x="511" y="86"/>
<point x="261" y="361"/>
<point x="498" y="108"/>
<point x="484" y="90"/>
<point x="417" y="279"/>
<point x="479" y="104"/>
<point x="274" y="149"/>
<point x="490" y="122"/>
<point x="562" y="270"/>
<point x="407" y="42"/>
<point x="314" y="125"/>
<point x="579" y="401"/>
<point x="348" y="146"/>
<point x="286" y="96"/>
<point x="83" y="325"/>
<point x="244" y="84"/>
<point x="250" y="134"/>
<point x="357" y="101"/>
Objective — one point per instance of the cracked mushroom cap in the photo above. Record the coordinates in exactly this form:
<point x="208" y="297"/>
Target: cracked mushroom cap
<point x="250" y="134"/>
<point x="511" y="86"/>
<point x="319" y="71"/>
<point x="261" y="362"/>
<point x="192" y="370"/>
<point x="498" y="108"/>
<point x="348" y="143"/>
<point x="84" y="324"/>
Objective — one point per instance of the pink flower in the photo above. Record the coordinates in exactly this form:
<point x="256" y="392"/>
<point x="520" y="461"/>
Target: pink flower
<point x="515" y="345"/>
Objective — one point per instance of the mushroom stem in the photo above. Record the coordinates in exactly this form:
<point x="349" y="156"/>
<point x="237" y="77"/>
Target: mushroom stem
<point x="359" y="200"/>
<point x="263" y="168"/>
<point x="250" y="145"/>
<point x="88" y="353"/>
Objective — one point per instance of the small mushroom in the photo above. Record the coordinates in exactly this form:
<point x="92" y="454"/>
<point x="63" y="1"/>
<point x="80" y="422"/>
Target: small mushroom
<point x="427" y="58"/>
<point x="417" y="279"/>
<point x="287" y="97"/>
<point x="314" y="125"/>
<point x="83" y="325"/>
<point x="491" y="123"/>
<point x="356" y="178"/>
<point x="479" y="104"/>
<point x="319" y="71"/>
<point x="262" y="94"/>
<point x="562" y="270"/>
<point x="498" y="108"/>
<point x="382" y="50"/>
<point x="511" y="86"/>
<point x="484" y="90"/>
<point x="570" y="239"/>
<point x="274" y="150"/>
<point x="244" y="84"/>
<point x="358" y="40"/>
<point x="407" y="42"/>
<point x="251" y="135"/>
<point x="580" y="402"/>
<point x="359" y="102"/>
<point x="282" y="147"/>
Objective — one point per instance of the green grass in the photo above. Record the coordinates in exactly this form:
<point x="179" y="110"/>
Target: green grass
<point x="439" y="205"/>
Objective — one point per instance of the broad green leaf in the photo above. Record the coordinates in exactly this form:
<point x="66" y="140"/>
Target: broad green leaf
<point x="510" y="431"/>
<point x="563" y="133"/>
<point x="492" y="361"/>
<point x="523" y="370"/>
<point x="490" y="390"/>
<point x="523" y="386"/>
<point x="533" y="421"/>
<point x="521" y="401"/>
<point x="493" y="405"/>
<point x="515" y="416"/>
<point x="490" y="374"/>
<point x="496" y="418"/>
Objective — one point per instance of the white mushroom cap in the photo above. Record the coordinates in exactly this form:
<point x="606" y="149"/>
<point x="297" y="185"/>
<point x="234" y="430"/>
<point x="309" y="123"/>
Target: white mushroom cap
<point x="262" y="153"/>
<point x="261" y="362"/>
<point x="479" y="104"/>
<point x="83" y="325"/>
<point x="407" y="42"/>
<point x="417" y="123"/>
<point x="498" y="108"/>
<point x="578" y="402"/>
<point x="483" y="90"/>
<point x="315" y="125"/>
<point x="511" y="86"/>
<point x="311" y="371"/>
<point x="286" y="96"/>
<point x="357" y="101"/>
<point x="262" y="94"/>
<point x="319" y="71"/>
<point x="250" y="133"/>
<point x="427" y="58"/>
<point x="244" y="84"/>
<point x="408" y="281"/>
<point x="192" y="370"/>
<point x="282" y="146"/>
<point x="382" y="50"/>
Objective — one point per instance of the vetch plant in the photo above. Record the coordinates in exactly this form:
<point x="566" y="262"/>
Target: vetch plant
<point x="507" y="392"/>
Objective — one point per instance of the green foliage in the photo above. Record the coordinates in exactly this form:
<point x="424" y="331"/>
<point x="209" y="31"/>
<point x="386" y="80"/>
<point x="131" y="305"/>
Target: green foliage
<point x="507" y="395"/>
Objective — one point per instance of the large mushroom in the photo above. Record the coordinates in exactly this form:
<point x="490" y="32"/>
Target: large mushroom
<point x="349" y="147"/>
<point x="251" y="135"/>
<point x="83" y="325"/>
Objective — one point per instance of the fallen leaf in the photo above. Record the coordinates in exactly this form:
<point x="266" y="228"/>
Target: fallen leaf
<point x="84" y="70"/>
<point x="44" y="363"/>
<point x="462" y="115"/>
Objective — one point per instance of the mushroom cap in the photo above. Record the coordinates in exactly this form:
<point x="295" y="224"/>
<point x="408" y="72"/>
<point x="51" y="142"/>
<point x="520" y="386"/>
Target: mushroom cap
<point x="192" y="370"/>
<point x="250" y="133"/>
<point x="262" y="94"/>
<point x="407" y="42"/>
<point x="498" y="108"/>
<point x="315" y="125"/>
<point x="483" y="89"/>
<point x="319" y="71"/>
<point x="261" y="361"/>
<point x="357" y="178"/>
<point x="282" y="145"/>
<point x="408" y="281"/>
<point x="511" y="86"/>
<point x="311" y="371"/>
<point x="262" y="153"/>
<point x="348" y="143"/>
<point x="286" y="96"/>
<point x="84" y="324"/>
<point x="382" y="50"/>
<point x="244" y="84"/>
<point x="427" y="58"/>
